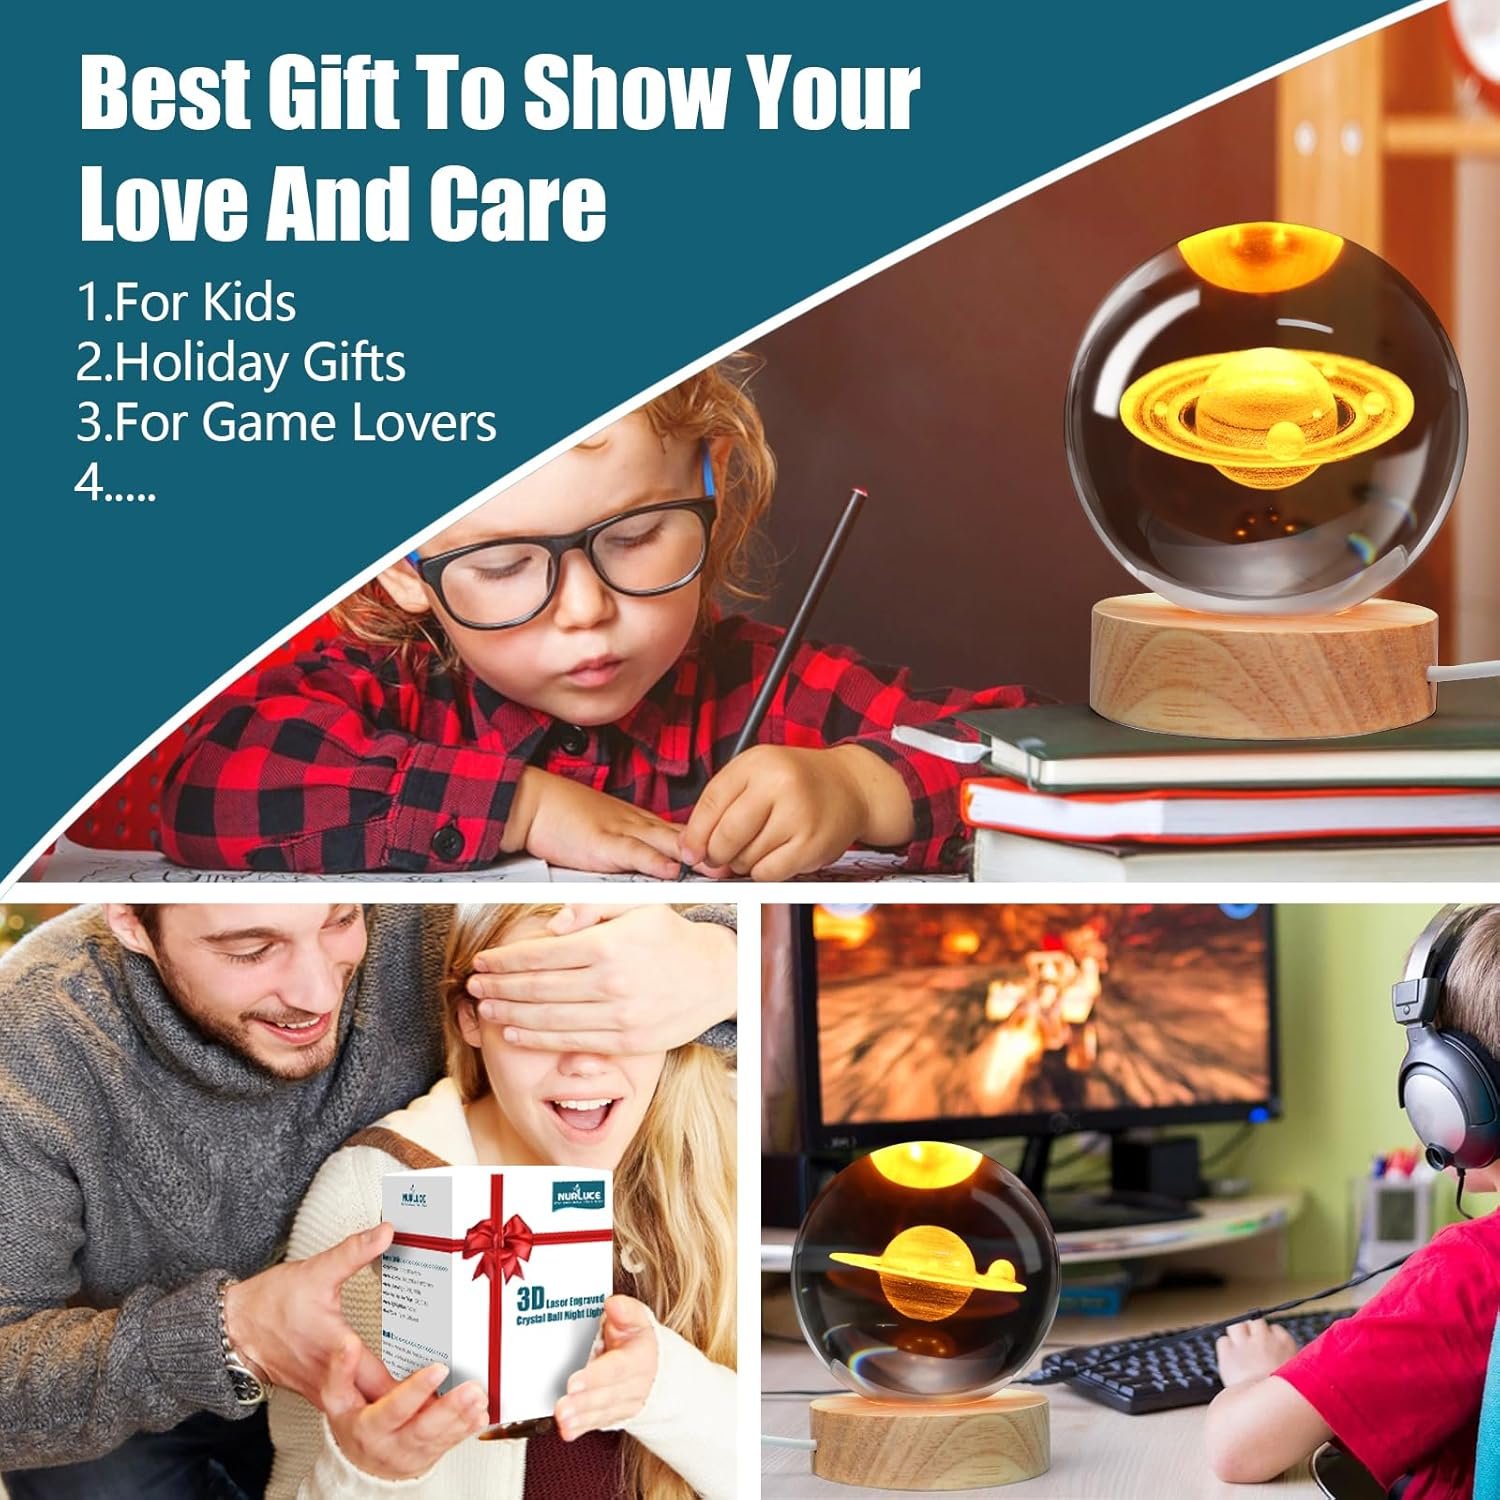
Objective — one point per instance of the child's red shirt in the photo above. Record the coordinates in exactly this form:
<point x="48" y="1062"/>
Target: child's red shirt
<point x="361" y="758"/>
<point x="1400" y="1382"/>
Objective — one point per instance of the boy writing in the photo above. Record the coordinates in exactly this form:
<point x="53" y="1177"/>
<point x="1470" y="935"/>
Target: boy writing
<point x="551" y="674"/>
<point x="1399" y="1384"/>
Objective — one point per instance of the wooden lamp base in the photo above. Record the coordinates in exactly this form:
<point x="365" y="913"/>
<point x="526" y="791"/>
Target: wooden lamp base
<point x="1001" y="1440"/>
<point x="1261" y="677"/>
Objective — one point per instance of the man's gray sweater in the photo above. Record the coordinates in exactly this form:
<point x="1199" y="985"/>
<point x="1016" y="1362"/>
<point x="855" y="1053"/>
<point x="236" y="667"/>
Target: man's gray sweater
<point x="140" y="1163"/>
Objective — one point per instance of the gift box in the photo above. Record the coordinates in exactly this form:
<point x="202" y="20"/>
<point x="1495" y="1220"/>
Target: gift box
<point x="500" y="1273"/>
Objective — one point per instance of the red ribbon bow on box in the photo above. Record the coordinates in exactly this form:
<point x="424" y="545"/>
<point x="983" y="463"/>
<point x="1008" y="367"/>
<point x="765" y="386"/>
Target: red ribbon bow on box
<point x="501" y="1249"/>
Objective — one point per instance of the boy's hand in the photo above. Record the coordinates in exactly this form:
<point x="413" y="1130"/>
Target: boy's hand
<point x="405" y="1432"/>
<point x="612" y="1387"/>
<point x="1253" y="1350"/>
<point x="776" y="811"/>
<point x="571" y="825"/>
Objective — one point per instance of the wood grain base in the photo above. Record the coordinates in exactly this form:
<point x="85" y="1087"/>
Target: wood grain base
<point x="1261" y="677"/>
<point x="925" y="1447"/>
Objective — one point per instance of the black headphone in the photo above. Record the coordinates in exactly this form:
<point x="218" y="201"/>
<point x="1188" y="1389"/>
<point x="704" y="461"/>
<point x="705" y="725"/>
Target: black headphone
<point x="1449" y="1084"/>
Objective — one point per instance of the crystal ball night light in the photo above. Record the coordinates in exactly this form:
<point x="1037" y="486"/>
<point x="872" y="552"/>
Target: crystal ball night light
<point x="1266" y="419"/>
<point x="925" y="1272"/>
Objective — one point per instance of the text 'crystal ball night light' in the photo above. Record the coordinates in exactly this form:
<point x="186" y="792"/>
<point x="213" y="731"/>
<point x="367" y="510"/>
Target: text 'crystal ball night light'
<point x="925" y="1272"/>
<point x="1266" y="419"/>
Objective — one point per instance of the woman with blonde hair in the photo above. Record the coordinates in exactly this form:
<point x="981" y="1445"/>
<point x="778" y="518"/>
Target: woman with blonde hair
<point x="651" y="1416"/>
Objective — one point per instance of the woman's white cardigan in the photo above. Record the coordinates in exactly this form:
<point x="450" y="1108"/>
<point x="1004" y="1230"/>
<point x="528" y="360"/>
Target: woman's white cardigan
<point x="688" y="1420"/>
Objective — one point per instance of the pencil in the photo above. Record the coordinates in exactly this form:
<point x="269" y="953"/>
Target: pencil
<point x="795" y="631"/>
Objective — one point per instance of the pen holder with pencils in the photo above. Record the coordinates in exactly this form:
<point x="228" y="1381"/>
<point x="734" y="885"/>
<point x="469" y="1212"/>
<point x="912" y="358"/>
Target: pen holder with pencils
<point x="1393" y="1207"/>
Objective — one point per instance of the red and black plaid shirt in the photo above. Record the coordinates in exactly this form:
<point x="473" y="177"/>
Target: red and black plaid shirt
<point x="357" y="758"/>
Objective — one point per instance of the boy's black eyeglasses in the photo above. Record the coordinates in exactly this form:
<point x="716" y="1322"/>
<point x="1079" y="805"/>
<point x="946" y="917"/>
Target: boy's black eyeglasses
<point x="652" y="549"/>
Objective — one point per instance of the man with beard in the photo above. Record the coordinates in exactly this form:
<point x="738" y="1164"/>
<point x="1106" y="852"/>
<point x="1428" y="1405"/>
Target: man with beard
<point x="171" y="1078"/>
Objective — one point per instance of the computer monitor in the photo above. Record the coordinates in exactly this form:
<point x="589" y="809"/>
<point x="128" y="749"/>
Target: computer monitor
<point x="967" y="1022"/>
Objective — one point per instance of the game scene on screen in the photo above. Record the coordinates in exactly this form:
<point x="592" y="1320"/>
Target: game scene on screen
<point x="928" y="1012"/>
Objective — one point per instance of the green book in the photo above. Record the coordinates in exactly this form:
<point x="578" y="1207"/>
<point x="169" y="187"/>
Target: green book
<point x="1067" y="747"/>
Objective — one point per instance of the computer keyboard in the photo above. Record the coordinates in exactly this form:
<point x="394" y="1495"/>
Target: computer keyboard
<point x="1142" y="1374"/>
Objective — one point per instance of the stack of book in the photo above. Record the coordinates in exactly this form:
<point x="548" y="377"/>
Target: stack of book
<point x="1064" y="794"/>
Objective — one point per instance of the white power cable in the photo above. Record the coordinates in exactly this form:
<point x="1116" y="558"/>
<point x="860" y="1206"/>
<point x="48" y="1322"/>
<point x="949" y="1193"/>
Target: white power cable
<point x="1466" y="671"/>
<point x="772" y="1441"/>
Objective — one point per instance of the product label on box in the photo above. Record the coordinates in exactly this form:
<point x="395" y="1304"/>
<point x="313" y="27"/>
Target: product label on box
<point x="499" y="1273"/>
<point x="416" y="1296"/>
<point x="577" y="1195"/>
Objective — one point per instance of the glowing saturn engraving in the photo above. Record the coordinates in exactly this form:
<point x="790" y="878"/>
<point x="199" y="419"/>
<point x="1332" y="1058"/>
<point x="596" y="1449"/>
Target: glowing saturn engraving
<point x="929" y="1273"/>
<point x="1266" y="418"/>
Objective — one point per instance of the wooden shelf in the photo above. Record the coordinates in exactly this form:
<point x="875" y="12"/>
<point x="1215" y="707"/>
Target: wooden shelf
<point x="1367" y="138"/>
<point x="1223" y="1221"/>
<point x="1442" y="135"/>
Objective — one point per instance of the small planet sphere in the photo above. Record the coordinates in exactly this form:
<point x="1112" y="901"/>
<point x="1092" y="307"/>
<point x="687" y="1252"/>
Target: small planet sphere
<point x="925" y="1271"/>
<point x="1285" y="440"/>
<point x="1270" y="358"/>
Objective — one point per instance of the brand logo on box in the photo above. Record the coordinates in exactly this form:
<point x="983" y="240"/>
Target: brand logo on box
<point x="577" y="1195"/>
<point x="411" y="1198"/>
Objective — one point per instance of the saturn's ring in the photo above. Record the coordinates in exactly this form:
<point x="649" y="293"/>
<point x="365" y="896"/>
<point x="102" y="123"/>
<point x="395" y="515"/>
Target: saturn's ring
<point x="1001" y="1276"/>
<point x="1373" y="406"/>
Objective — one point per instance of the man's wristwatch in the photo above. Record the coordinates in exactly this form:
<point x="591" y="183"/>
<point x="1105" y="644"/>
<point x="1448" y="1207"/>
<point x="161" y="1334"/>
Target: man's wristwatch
<point x="249" y="1389"/>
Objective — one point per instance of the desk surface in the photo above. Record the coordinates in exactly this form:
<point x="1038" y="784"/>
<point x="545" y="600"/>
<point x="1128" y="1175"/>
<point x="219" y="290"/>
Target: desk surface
<point x="1097" y="1453"/>
<point x="75" y="864"/>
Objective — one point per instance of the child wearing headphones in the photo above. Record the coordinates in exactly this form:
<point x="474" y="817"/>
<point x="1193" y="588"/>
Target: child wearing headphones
<point x="1399" y="1384"/>
<point x="552" y="674"/>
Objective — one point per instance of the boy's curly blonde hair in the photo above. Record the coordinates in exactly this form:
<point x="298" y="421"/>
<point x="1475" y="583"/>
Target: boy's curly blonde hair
<point x="715" y="407"/>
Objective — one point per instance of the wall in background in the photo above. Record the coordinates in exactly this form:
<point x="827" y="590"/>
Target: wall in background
<point x="1340" y="1051"/>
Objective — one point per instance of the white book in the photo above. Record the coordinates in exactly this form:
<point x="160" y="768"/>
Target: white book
<point x="1329" y="813"/>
